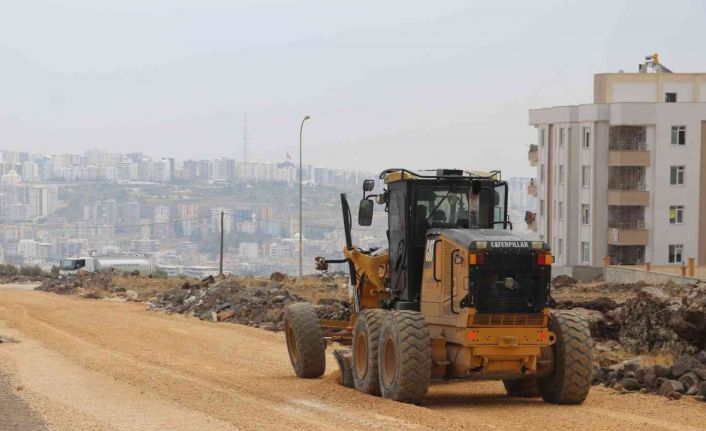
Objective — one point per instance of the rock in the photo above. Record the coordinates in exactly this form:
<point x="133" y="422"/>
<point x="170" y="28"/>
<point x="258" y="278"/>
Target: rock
<point x="701" y="357"/>
<point x="630" y="384"/>
<point x="640" y="374"/>
<point x="214" y="316"/>
<point x="670" y="386"/>
<point x="644" y="391"/>
<point x="278" y="298"/>
<point x="205" y="316"/>
<point x="689" y="380"/>
<point x="683" y="364"/>
<point x="632" y="364"/>
<point x="702" y="389"/>
<point x="674" y="395"/>
<point x="629" y="374"/>
<point x="268" y="326"/>
<point x="650" y="379"/>
<point x="278" y="276"/>
<point x="662" y="371"/>
<point x="659" y="381"/>
<point x="692" y="391"/>
<point x="225" y="315"/>
<point x="131" y="295"/>
<point x="563" y="281"/>
<point x="223" y="306"/>
<point x="701" y="372"/>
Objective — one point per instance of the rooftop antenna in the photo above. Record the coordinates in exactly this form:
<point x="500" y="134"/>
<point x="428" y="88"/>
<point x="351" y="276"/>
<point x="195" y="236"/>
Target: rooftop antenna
<point x="652" y="63"/>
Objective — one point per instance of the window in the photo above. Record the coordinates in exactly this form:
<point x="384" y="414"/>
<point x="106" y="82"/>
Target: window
<point x="585" y="214"/>
<point x="678" y="135"/>
<point x="586" y="137"/>
<point x="560" y="246"/>
<point x="586" y="176"/>
<point x="541" y="173"/>
<point x="561" y="210"/>
<point x="542" y="136"/>
<point x="676" y="214"/>
<point x="541" y="207"/>
<point x="675" y="253"/>
<point x="561" y="174"/>
<point x="676" y="175"/>
<point x="561" y="137"/>
<point x="554" y="209"/>
<point x="585" y="252"/>
<point x="670" y="97"/>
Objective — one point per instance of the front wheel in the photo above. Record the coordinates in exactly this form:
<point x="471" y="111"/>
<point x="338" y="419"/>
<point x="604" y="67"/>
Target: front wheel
<point x="405" y="357"/>
<point x="305" y="340"/>
<point x="570" y="378"/>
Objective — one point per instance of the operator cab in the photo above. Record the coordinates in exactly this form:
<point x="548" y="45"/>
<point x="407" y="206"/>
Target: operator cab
<point x="416" y="203"/>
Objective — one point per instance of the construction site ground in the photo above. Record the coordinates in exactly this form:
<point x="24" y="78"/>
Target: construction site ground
<point x="82" y="364"/>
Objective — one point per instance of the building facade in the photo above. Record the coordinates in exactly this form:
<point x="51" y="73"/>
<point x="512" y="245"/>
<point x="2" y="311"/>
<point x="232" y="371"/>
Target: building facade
<point x="624" y="176"/>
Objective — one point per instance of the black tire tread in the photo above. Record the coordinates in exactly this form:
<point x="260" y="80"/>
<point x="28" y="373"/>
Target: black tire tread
<point x="370" y="320"/>
<point x="414" y="359"/>
<point x="570" y="380"/>
<point x="309" y="340"/>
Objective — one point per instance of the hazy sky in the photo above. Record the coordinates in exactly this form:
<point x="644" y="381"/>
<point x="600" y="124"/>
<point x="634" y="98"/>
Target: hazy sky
<point x="418" y="84"/>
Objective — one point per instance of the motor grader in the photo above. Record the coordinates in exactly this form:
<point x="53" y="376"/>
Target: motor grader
<point x="454" y="295"/>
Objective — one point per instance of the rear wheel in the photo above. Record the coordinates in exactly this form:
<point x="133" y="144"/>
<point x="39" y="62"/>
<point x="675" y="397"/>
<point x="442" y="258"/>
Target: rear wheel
<point x="524" y="388"/>
<point x="405" y="357"/>
<point x="366" y="335"/>
<point x="305" y="340"/>
<point x="570" y="378"/>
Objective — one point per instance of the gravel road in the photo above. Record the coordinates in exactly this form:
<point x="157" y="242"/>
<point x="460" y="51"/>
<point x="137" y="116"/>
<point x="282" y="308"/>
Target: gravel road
<point x="100" y="365"/>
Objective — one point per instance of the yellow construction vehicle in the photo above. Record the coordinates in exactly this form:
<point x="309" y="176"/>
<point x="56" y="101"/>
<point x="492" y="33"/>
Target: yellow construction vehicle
<point x="455" y="295"/>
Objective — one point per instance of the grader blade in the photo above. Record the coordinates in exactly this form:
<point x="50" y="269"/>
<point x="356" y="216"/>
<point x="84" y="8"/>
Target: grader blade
<point x="344" y="357"/>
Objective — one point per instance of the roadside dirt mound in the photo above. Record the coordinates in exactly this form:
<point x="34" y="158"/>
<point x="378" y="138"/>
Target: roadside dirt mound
<point x="253" y="302"/>
<point x="648" y="338"/>
<point x="113" y="284"/>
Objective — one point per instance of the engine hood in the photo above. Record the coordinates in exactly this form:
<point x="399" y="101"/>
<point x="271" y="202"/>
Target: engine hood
<point x="489" y="238"/>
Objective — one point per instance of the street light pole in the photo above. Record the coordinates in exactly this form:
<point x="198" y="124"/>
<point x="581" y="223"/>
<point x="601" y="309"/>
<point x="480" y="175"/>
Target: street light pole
<point x="301" y="182"/>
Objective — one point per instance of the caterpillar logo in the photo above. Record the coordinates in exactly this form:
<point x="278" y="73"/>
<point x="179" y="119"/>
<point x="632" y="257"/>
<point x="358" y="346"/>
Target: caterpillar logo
<point x="509" y="244"/>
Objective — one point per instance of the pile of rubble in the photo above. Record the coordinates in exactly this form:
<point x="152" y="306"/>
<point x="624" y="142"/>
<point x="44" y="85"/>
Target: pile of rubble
<point x="687" y="376"/>
<point x="667" y="321"/>
<point x="257" y="303"/>
<point x="94" y="281"/>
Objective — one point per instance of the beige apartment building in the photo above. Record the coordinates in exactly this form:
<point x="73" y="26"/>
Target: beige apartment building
<point x="624" y="176"/>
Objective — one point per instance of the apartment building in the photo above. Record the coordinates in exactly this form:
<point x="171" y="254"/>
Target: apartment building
<point x="624" y="176"/>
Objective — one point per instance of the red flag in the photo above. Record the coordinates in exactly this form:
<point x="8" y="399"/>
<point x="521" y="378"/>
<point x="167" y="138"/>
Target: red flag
<point x="289" y="156"/>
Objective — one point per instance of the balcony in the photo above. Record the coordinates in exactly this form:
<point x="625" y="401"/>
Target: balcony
<point x="628" y="236"/>
<point x="629" y="158"/>
<point x="532" y="188"/>
<point x="629" y="198"/>
<point x="533" y="155"/>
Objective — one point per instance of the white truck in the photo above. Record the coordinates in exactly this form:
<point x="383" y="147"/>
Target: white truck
<point x="72" y="265"/>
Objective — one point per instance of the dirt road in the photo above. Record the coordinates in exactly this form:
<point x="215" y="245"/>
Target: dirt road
<point x="100" y="365"/>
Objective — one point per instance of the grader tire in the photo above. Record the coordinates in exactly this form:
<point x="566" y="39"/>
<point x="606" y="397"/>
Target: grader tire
<point x="405" y="357"/>
<point x="523" y="388"/>
<point x="366" y="334"/>
<point x="570" y="380"/>
<point x="305" y="340"/>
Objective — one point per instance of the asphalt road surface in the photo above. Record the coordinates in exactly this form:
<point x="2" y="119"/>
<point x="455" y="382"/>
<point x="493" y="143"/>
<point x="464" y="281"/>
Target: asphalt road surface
<point x="99" y="365"/>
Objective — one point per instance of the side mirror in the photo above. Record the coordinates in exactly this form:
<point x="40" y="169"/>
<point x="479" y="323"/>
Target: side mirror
<point x="368" y="185"/>
<point x="365" y="212"/>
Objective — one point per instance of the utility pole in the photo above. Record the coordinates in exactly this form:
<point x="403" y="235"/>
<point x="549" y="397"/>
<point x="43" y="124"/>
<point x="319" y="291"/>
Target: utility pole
<point x="301" y="182"/>
<point x="220" y="267"/>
